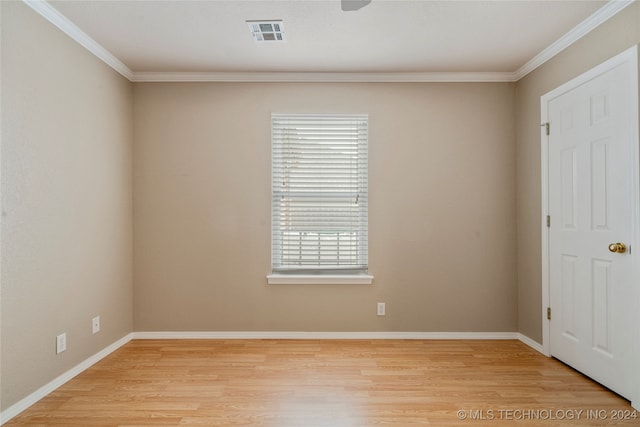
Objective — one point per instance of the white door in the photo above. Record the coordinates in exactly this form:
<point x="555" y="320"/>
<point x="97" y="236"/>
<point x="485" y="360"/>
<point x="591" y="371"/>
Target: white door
<point x="591" y="208"/>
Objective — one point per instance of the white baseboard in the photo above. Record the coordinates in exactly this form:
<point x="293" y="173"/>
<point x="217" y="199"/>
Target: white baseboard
<point x="342" y="336"/>
<point x="328" y="335"/>
<point x="23" y="404"/>
<point x="531" y="343"/>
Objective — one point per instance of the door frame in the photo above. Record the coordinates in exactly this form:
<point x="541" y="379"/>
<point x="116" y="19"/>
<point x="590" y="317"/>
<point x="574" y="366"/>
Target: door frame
<point x="628" y="56"/>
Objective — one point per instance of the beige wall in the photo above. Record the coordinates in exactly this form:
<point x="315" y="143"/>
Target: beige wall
<point x="66" y="202"/>
<point x="441" y="218"/>
<point x="613" y="37"/>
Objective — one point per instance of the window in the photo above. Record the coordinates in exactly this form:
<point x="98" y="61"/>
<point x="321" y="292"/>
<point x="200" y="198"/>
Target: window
<point x="319" y="194"/>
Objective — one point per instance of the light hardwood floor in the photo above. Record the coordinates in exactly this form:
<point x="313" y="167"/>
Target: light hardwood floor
<point x="332" y="383"/>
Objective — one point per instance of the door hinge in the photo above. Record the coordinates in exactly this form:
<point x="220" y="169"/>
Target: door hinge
<point x="548" y="313"/>
<point x="548" y="220"/>
<point x="546" y="127"/>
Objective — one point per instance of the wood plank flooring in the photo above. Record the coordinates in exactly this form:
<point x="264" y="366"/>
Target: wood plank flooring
<point x="339" y="383"/>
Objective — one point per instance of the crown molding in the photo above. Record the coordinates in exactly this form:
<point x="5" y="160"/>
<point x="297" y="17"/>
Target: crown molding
<point x="56" y="18"/>
<point x="65" y="25"/>
<point x="280" y="77"/>
<point x="598" y="18"/>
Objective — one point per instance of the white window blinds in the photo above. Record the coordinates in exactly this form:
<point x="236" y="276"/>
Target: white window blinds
<point x="319" y="193"/>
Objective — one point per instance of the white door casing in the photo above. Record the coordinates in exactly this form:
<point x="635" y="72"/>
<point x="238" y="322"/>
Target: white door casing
<point x="590" y="191"/>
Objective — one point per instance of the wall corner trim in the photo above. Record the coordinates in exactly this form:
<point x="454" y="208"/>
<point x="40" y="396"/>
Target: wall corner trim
<point x="598" y="18"/>
<point x="26" y="402"/>
<point x="531" y="343"/>
<point x="52" y="15"/>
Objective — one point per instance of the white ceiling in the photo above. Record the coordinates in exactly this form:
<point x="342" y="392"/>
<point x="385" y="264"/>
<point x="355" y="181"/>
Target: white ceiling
<point x="387" y="36"/>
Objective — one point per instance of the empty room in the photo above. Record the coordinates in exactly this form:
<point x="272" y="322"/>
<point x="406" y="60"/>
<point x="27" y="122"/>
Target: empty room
<point x="319" y="213"/>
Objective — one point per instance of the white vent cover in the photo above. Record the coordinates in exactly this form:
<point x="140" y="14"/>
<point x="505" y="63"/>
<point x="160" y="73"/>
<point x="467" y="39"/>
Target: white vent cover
<point x="266" y="31"/>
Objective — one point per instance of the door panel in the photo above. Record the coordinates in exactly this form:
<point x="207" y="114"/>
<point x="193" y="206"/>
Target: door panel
<point x="601" y="306"/>
<point x="599" y="185"/>
<point x="569" y="188"/>
<point x="568" y="296"/>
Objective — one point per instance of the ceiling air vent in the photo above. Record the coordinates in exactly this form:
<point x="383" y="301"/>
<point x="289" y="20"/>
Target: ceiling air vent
<point x="266" y="31"/>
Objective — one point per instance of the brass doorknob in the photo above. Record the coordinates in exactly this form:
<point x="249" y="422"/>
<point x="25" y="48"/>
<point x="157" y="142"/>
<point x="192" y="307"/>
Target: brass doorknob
<point x="618" y="248"/>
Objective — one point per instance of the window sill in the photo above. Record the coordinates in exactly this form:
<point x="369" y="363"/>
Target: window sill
<point x="318" y="279"/>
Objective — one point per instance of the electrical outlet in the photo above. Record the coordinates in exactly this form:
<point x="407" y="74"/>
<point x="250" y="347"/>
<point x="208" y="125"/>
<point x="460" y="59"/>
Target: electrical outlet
<point x="95" y="325"/>
<point x="61" y="343"/>
<point x="381" y="309"/>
